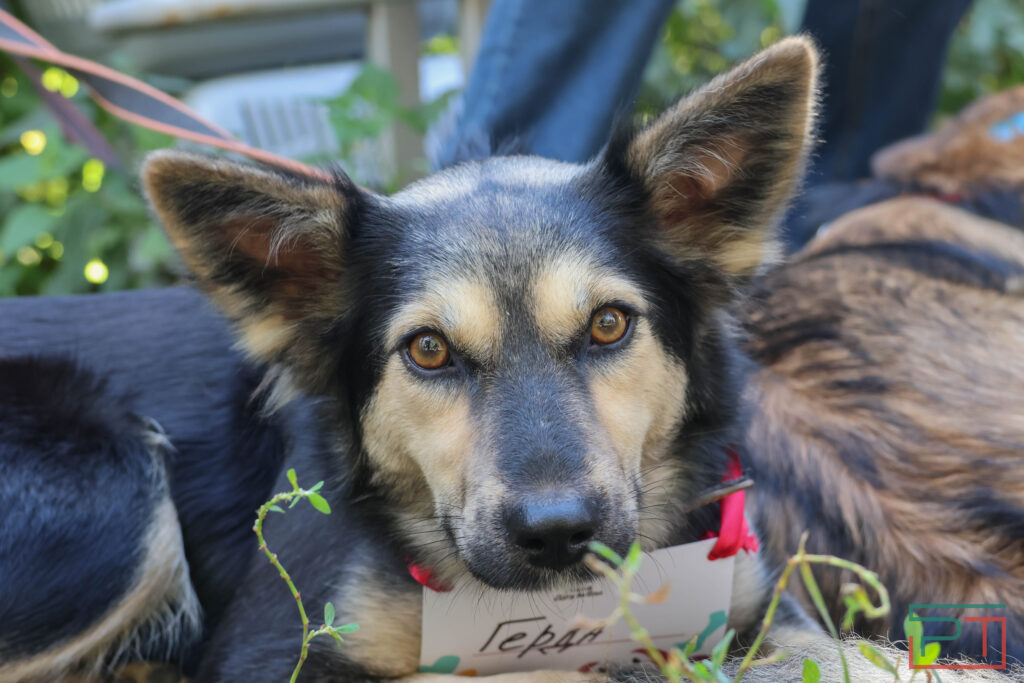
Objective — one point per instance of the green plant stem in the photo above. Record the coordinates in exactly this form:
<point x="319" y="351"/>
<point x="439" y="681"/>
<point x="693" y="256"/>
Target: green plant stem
<point x="766" y="623"/>
<point x="803" y="561"/>
<point x="641" y="634"/>
<point x="624" y="582"/>
<point x="258" y="528"/>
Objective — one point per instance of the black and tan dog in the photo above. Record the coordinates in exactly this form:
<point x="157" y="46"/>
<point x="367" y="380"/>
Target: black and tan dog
<point x="490" y="369"/>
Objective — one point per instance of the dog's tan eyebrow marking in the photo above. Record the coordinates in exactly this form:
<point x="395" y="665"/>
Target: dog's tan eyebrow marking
<point x="464" y="310"/>
<point x="567" y="290"/>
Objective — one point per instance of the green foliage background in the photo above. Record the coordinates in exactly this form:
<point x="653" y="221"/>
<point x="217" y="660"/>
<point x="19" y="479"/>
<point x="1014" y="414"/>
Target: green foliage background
<point x="52" y="224"/>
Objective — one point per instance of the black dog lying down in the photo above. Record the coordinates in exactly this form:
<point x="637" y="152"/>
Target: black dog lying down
<point x="490" y="369"/>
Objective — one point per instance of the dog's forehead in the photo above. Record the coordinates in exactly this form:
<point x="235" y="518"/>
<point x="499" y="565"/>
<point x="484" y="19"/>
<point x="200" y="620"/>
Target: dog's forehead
<point x="504" y="205"/>
<point x="508" y="243"/>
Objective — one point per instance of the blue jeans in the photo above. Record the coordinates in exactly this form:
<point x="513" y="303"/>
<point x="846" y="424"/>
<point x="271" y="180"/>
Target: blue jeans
<point x="883" y="68"/>
<point x="552" y="75"/>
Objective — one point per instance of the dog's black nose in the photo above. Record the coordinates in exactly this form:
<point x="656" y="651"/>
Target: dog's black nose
<point x="553" y="533"/>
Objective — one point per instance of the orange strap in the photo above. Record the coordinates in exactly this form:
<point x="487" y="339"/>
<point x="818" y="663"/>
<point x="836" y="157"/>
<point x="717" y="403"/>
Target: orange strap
<point x="137" y="102"/>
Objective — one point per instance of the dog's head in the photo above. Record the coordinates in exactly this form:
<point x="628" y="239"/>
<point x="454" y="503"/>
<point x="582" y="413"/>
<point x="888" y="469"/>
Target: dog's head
<point x="526" y="354"/>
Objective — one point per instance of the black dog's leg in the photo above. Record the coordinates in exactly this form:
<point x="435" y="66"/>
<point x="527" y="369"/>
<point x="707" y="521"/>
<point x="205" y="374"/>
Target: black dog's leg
<point x="92" y="571"/>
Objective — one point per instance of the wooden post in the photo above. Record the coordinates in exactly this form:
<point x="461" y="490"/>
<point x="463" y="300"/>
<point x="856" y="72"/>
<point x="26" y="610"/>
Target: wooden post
<point x="394" y="44"/>
<point x="472" y="14"/>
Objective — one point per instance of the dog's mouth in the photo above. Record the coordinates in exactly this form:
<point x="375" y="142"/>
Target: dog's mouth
<point x="516" y="577"/>
<point x="540" y="549"/>
<point x="507" y="572"/>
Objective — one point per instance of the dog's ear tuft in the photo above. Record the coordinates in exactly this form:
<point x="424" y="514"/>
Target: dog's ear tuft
<point x="268" y="248"/>
<point x="719" y="167"/>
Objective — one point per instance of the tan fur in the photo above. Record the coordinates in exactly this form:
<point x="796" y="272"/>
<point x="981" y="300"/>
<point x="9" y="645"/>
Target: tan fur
<point x="388" y="640"/>
<point x="265" y="337"/>
<point x="947" y="427"/>
<point x="417" y="433"/>
<point x="568" y="289"/>
<point x="162" y="579"/>
<point x="463" y="309"/>
<point x="746" y="253"/>
<point x="918" y="218"/>
<point x="630" y="403"/>
<point x="257" y="236"/>
<point x="962" y="156"/>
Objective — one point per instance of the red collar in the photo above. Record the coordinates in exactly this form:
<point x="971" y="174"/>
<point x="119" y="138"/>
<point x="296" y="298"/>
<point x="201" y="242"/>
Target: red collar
<point x="425" y="577"/>
<point x="733" y="535"/>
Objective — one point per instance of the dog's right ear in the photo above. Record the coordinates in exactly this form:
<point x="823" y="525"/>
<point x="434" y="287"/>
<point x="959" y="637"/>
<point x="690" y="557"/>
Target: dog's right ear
<point x="268" y="248"/>
<point x="718" y="167"/>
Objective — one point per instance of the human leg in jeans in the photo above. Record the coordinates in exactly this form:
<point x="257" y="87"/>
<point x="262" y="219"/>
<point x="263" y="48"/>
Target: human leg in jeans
<point x="883" y="67"/>
<point x="553" y="74"/>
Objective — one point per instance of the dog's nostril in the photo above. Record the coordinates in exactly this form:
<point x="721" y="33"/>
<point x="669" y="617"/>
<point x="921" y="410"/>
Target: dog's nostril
<point x="581" y="537"/>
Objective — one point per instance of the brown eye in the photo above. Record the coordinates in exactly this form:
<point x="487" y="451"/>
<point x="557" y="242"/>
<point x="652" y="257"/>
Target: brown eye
<point x="608" y="326"/>
<point x="429" y="351"/>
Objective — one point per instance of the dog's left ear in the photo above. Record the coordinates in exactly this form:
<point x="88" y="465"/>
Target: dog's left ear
<point x="719" y="167"/>
<point x="267" y="247"/>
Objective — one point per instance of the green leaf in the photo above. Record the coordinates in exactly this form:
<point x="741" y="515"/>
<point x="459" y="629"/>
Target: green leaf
<point x="812" y="672"/>
<point x="336" y="636"/>
<point x="377" y="86"/>
<point x="19" y="170"/>
<point x="722" y="649"/>
<point x="819" y="602"/>
<point x="851" y="612"/>
<point x="150" y="249"/>
<point x="442" y="44"/>
<point x="328" y="614"/>
<point x="292" y="478"/>
<point x="276" y="508"/>
<point x="872" y="654"/>
<point x="931" y="654"/>
<point x="346" y="628"/>
<point x="23" y="225"/>
<point x="317" y="501"/>
<point x="316" y="487"/>
<point x="633" y="557"/>
<point x="913" y="629"/>
<point x="601" y="550"/>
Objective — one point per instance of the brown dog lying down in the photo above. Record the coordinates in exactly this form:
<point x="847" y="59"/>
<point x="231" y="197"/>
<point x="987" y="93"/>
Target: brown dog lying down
<point x="887" y="404"/>
<point x="514" y="356"/>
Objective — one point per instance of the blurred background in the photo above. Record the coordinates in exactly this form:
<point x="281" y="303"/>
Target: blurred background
<point x="358" y="83"/>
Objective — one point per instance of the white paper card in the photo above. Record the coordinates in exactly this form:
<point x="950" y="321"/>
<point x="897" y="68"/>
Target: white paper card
<point x="483" y="631"/>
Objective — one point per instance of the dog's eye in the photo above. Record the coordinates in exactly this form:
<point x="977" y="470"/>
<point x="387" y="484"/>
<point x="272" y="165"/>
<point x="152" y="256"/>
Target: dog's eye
<point x="608" y="326"/>
<point x="429" y="351"/>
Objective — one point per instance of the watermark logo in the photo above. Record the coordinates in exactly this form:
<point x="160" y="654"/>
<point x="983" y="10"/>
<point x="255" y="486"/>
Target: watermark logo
<point x="924" y="650"/>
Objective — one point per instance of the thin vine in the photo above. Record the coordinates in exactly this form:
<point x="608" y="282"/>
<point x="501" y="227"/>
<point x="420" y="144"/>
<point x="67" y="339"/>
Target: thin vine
<point x="320" y="504"/>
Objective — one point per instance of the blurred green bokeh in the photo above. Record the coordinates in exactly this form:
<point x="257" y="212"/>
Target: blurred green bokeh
<point x="68" y="224"/>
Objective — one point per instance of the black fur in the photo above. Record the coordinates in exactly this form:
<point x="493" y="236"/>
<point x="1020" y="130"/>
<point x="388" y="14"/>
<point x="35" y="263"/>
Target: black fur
<point x="68" y="554"/>
<point x="163" y="354"/>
